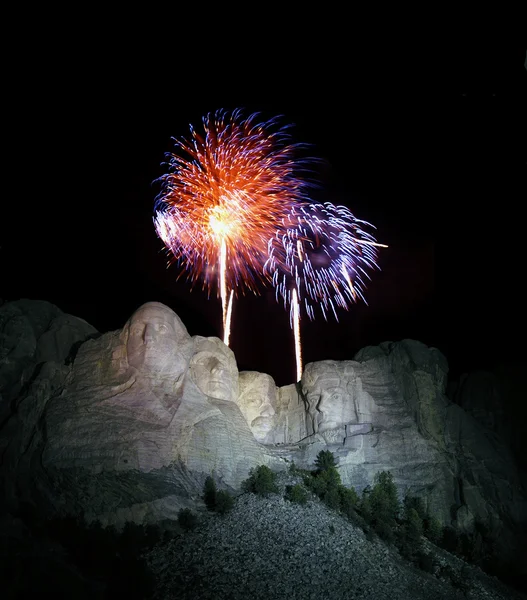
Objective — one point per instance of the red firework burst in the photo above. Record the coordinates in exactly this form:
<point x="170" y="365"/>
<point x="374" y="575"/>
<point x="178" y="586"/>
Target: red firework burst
<point x="225" y="194"/>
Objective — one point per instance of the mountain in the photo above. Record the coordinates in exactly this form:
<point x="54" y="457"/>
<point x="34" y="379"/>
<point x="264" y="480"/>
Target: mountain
<point x="122" y="428"/>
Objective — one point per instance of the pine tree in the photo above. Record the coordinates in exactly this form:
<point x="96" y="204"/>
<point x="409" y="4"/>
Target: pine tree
<point x="209" y="493"/>
<point x="224" y="502"/>
<point x="325" y="460"/>
<point x="433" y="530"/>
<point x="261" y="481"/>
<point x="384" y="499"/>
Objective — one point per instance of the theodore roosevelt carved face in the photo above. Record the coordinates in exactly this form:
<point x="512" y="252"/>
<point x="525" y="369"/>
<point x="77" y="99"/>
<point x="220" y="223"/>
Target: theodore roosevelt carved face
<point x="257" y="400"/>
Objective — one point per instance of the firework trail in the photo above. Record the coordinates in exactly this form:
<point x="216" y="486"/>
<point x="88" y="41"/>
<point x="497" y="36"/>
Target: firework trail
<point x="320" y="257"/>
<point x="225" y="194"/>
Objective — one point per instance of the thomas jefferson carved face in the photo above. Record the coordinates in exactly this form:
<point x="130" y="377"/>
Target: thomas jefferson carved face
<point x="213" y="368"/>
<point x="158" y="343"/>
<point x="257" y="400"/>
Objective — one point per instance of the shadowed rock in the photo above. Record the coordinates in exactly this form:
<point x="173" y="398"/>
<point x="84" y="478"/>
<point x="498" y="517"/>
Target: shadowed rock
<point x="131" y="428"/>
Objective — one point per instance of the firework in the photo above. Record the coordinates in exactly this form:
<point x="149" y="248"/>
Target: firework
<point x="224" y="196"/>
<point x="320" y="257"/>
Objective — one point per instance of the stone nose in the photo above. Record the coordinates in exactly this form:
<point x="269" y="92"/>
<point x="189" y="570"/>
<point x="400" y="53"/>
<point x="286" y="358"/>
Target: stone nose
<point x="148" y="334"/>
<point x="268" y="411"/>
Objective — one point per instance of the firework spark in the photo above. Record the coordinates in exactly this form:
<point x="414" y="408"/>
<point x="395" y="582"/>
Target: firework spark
<point x="320" y="257"/>
<point x="224" y="197"/>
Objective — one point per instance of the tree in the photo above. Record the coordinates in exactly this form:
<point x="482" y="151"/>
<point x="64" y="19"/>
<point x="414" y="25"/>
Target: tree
<point x="219" y="501"/>
<point x="412" y="530"/>
<point x="433" y="529"/>
<point x="380" y="505"/>
<point x="261" y="481"/>
<point x="296" y="493"/>
<point x="209" y="493"/>
<point x="414" y="525"/>
<point x="330" y="476"/>
<point x="187" y="520"/>
<point x="325" y="460"/>
<point x="348" y="500"/>
<point x="416" y="503"/>
<point x="224" y="502"/>
<point x="325" y="483"/>
<point x="365" y="505"/>
<point x="332" y="498"/>
<point x="384" y="499"/>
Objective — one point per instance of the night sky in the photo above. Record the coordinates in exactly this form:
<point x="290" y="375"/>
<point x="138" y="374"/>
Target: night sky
<point x="426" y="142"/>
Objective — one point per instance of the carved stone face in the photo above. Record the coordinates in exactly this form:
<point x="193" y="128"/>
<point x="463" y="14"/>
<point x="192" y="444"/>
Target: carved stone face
<point x="326" y="391"/>
<point x="332" y="407"/>
<point x="213" y="368"/>
<point x="257" y="401"/>
<point x="158" y="343"/>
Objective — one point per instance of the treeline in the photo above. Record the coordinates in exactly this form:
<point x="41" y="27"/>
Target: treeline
<point x="378" y="511"/>
<point x="68" y="556"/>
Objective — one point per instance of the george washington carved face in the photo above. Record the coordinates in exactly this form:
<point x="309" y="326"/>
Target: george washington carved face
<point x="158" y="343"/>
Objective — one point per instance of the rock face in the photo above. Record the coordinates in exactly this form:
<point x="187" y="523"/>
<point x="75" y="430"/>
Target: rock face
<point x="496" y="400"/>
<point x="126" y="426"/>
<point x="37" y="341"/>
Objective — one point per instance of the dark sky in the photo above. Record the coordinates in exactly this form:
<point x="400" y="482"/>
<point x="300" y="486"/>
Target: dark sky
<point x="426" y="142"/>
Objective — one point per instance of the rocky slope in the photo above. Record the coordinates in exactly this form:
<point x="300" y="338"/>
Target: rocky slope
<point x="269" y="548"/>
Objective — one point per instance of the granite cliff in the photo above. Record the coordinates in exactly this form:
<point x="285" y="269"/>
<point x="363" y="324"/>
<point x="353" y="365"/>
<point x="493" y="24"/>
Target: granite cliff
<point x="126" y="425"/>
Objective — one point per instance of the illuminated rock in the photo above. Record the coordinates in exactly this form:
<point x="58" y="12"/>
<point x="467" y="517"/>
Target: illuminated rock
<point x="126" y="426"/>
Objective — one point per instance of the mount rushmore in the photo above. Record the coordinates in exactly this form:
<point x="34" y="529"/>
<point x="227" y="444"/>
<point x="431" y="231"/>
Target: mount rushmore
<point x="126" y="425"/>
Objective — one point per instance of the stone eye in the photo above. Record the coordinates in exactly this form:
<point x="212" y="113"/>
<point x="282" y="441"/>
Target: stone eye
<point x="206" y="361"/>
